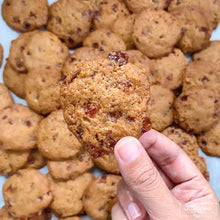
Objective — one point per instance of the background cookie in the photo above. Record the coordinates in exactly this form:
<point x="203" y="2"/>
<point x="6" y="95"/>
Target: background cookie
<point x="25" y="15"/>
<point x="5" y="97"/>
<point x="1" y="54"/>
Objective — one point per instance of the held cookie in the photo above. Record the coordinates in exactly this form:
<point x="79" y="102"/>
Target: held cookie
<point x="104" y="100"/>
<point x="1" y="54"/>
<point x="5" y="97"/>
<point x="67" y="195"/>
<point x="100" y="196"/>
<point x="23" y="15"/>
<point x="18" y="125"/>
<point x="26" y="193"/>
<point x="156" y="32"/>
<point x="196" y="110"/>
<point x="54" y="140"/>
<point x="70" y="20"/>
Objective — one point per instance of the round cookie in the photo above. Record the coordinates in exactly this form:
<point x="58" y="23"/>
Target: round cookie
<point x="156" y="32"/>
<point x="105" y="41"/>
<point x="71" y="168"/>
<point x="23" y="15"/>
<point x="195" y="26"/>
<point x="42" y="89"/>
<point x="26" y="193"/>
<point x="196" y="110"/>
<point x="1" y="54"/>
<point x="18" y="125"/>
<point x="14" y="80"/>
<point x="109" y="102"/>
<point x="54" y="140"/>
<point x="70" y="20"/>
<point x="209" y="141"/>
<point x="160" y="107"/>
<point x="44" y="48"/>
<point x="100" y="196"/>
<point x="200" y="162"/>
<point x="168" y="70"/>
<point x="71" y="218"/>
<point x="5" y="97"/>
<point x="67" y="195"/>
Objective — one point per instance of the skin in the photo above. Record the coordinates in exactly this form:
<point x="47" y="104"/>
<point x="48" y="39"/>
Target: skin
<point x="160" y="182"/>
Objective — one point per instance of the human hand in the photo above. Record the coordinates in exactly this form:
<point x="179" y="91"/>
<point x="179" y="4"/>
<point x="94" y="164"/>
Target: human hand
<point x="160" y="182"/>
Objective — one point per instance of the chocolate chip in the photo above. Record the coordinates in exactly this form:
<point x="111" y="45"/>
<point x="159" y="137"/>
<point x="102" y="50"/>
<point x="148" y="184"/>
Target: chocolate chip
<point x="204" y="143"/>
<point x="204" y="29"/>
<point x="32" y="15"/>
<point x="183" y="30"/>
<point x="146" y="125"/>
<point x="16" y="19"/>
<point x="115" y="7"/>
<point x="119" y="57"/>
<point x="91" y="108"/>
<point x="58" y="20"/>
<point x="184" y="98"/>
<point x="28" y="123"/>
<point x="26" y="25"/>
<point x="95" y="45"/>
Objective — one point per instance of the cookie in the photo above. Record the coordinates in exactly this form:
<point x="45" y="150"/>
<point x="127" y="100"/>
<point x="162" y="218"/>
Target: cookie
<point x="80" y="55"/>
<point x="71" y="168"/>
<point x="156" y="32"/>
<point x="71" y="218"/>
<point x="42" y="89"/>
<point x="160" y="107"/>
<point x="44" y="48"/>
<point x="67" y="195"/>
<point x="196" y="110"/>
<point x="209" y="141"/>
<point x="35" y="160"/>
<point x="105" y="41"/>
<point x="18" y="125"/>
<point x="5" y="97"/>
<point x="195" y="26"/>
<point x="1" y="54"/>
<point x="200" y="162"/>
<point x="109" y="102"/>
<point x="204" y="74"/>
<point x="54" y="140"/>
<point x="14" y="80"/>
<point x="168" y="70"/>
<point x="23" y="15"/>
<point x="70" y="20"/>
<point x="26" y="193"/>
<point x="100" y="196"/>
<point x="210" y="53"/>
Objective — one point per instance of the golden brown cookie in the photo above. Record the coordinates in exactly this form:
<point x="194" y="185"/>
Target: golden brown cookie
<point x="67" y="195"/>
<point x="195" y="26"/>
<point x="71" y="168"/>
<point x="18" y="125"/>
<point x="26" y="193"/>
<point x="54" y="140"/>
<point x="42" y="89"/>
<point x="104" y="40"/>
<point x="5" y="97"/>
<point x="100" y="196"/>
<point x="160" y="107"/>
<point x="109" y="102"/>
<point x="1" y="54"/>
<point x="70" y="20"/>
<point x="23" y="15"/>
<point x="200" y="162"/>
<point x="197" y="110"/>
<point x="156" y="32"/>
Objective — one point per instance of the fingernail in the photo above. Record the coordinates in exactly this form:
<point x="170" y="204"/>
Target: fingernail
<point x="128" y="150"/>
<point x="134" y="211"/>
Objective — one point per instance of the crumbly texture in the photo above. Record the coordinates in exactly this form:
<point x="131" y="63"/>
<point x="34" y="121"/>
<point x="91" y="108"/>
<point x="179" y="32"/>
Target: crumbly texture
<point x="71" y="168"/>
<point x="200" y="162"/>
<point x="109" y="102"/>
<point x="195" y="26"/>
<point x="67" y="195"/>
<point x="160" y="107"/>
<point x="23" y="15"/>
<point x="202" y="74"/>
<point x="1" y="54"/>
<point x="210" y="53"/>
<point x="5" y="97"/>
<point x="70" y="20"/>
<point x="44" y="48"/>
<point x="14" y="80"/>
<point x="100" y="196"/>
<point x="71" y="218"/>
<point x="209" y="141"/>
<point x="26" y="193"/>
<point x="168" y="70"/>
<point x="42" y="89"/>
<point x="18" y="125"/>
<point x="105" y="41"/>
<point x="197" y="110"/>
<point x="54" y="140"/>
<point x="156" y="32"/>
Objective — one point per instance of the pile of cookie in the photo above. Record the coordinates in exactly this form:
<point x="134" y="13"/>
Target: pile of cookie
<point x="121" y="47"/>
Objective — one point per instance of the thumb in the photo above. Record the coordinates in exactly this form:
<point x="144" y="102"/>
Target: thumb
<point x="142" y="177"/>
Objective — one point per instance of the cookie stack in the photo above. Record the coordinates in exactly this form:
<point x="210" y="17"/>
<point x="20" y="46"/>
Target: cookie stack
<point x="128" y="73"/>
